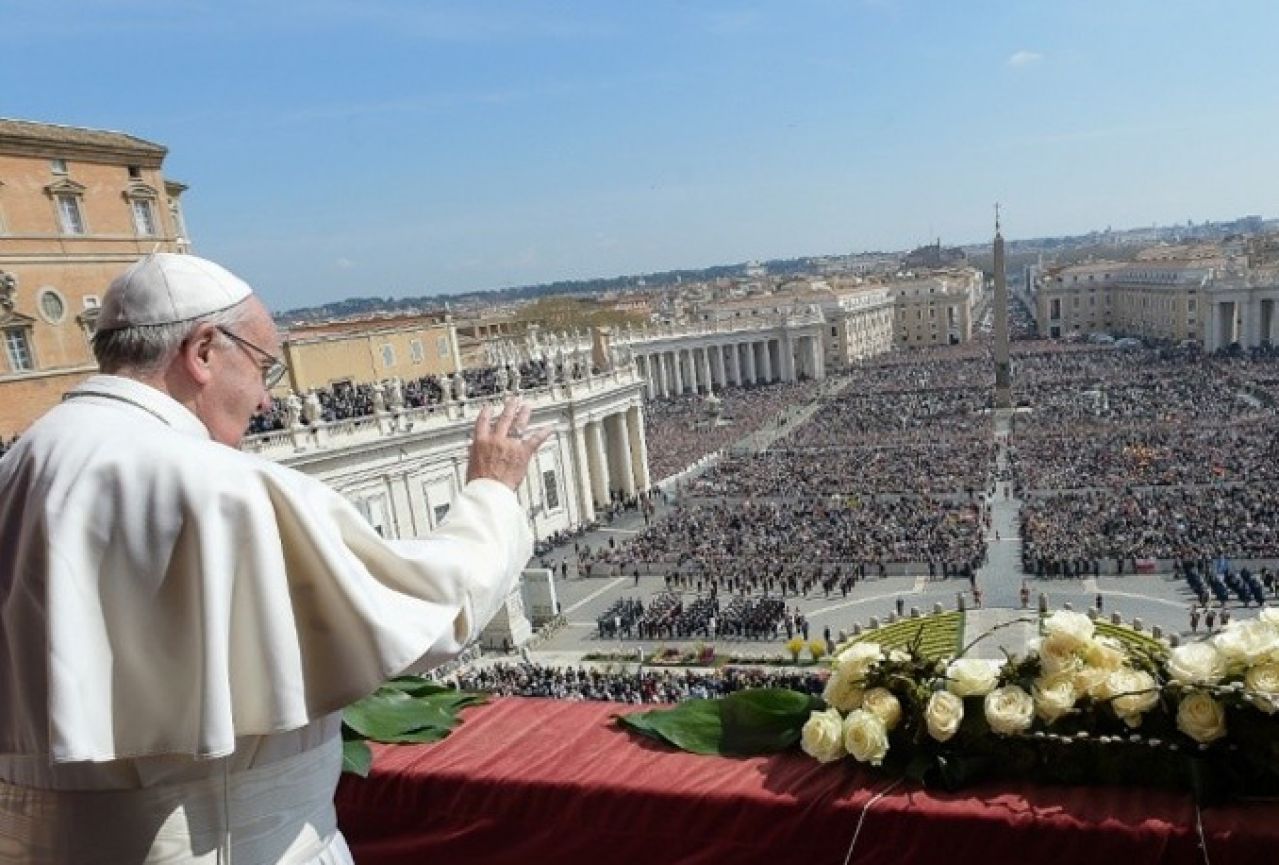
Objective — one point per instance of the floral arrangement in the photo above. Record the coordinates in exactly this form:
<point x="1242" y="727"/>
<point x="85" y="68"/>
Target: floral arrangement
<point x="1081" y="707"/>
<point x="668" y="656"/>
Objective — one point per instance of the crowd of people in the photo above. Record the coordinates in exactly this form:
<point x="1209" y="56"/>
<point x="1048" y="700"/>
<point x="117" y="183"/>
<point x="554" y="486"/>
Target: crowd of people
<point x="1238" y="521"/>
<point x="669" y="616"/>
<point x="681" y="430"/>
<point x="948" y="465"/>
<point x="345" y="401"/>
<point x="1178" y="453"/>
<point x="645" y="686"/>
<point x="845" y="531"/>
<point x="1151" y="454"/>
<point x="860" y="417"/>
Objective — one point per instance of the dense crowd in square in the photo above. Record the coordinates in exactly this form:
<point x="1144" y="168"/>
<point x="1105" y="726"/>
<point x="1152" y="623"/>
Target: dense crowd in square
<point x="680" y="430"/>
<point x="645" y="686"/>
<point x="1153" y="454"/>
<point x="714" y="536"/>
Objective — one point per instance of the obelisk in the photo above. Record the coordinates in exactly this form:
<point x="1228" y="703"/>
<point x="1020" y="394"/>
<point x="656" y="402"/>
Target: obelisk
<point x="1003" y="383"/>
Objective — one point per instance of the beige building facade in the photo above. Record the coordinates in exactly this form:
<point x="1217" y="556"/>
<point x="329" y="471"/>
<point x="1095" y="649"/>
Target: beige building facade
<point x="320" y="356"/>
<point x="1211" y="300"/>
<point x="936" y="309"/>
<point x="77" y="207"/>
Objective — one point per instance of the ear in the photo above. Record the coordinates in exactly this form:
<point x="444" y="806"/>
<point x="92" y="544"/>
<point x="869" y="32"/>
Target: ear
<point x="196" y="354"/>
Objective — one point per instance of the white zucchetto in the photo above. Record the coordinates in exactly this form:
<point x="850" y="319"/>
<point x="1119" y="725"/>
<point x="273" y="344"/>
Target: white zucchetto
<point x="166" y="288"/>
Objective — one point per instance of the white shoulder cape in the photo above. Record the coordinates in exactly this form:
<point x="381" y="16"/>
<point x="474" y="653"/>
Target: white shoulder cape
<point x="164" y="594"/>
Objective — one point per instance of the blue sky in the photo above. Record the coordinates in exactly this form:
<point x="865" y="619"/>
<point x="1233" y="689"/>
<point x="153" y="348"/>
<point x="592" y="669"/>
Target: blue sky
<point x="355" y="147"/>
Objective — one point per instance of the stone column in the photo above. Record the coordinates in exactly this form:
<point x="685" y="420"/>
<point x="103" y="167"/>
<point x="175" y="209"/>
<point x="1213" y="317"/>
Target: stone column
<point x="639" y="446"/>
<point x="597" y="458"/>
<point x="1251" y="330"/>
<point x="583" y="474"/>
<point x="641" y="363"/>
<point x="619" y="453"/>
<point x="706" y="368"/>
<point x="819" y="362"/>
<point x="735" y="362"/>
<point x="767" y="356"/>
<point x="677" y="374"/>
<point x="750" y="362"/>
<point x="659" y="361"/>
<point x="717" y="365"/>
<point x="787" y="349"/>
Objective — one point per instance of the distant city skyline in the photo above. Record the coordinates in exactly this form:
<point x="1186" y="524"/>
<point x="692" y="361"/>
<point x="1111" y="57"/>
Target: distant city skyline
<point x="393" y="148"/>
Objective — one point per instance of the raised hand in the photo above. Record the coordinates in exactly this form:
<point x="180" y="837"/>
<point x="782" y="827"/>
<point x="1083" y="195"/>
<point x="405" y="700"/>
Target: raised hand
<point x="501" y="450"/>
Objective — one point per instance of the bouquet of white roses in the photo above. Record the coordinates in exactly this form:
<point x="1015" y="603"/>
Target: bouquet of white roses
<point x="1080" y="707"/>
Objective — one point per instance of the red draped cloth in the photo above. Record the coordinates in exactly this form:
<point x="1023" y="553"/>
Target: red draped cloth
<point x="525" y="782"/>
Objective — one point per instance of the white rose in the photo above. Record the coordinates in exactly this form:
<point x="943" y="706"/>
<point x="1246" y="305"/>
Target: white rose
<point x="1057" y="654"/>
<point x="857" y="659"/>
<point x="1263" y="683"/>
<point x="1201" y="717"/>
<point x="884" y="704"/>
<point x="843" y="691"/>
<point x="1243" y="644"/>
<point x="972" y="677"/>
<point x="1133" y="693"/>
<point x="1105" y="653"/>
<point x="1074" y="627"/>
<point x="1269" y="615"/>
<point x="823" y="736"/>
<point x="1196" y="664"/>
<point x="1009" y="710"/>
<point x="865" y="737"/>
<point x="943" y="714"/>
<point x="1054" y="697"/>
<point x="1092" y="681"/>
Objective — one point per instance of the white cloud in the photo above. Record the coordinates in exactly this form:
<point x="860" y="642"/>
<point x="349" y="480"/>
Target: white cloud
<point x="1024" y="58"/>
<point x="345" y="263"/>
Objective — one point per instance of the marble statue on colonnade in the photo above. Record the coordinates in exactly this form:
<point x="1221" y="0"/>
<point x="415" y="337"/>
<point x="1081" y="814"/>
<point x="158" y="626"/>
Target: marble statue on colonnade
<point x="311" y="408"/>
<point x="292" y="411"/>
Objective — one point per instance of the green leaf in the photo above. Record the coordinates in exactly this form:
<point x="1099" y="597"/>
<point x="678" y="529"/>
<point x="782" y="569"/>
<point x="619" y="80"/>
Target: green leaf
<point x="391" y="715"/>
<point x="357" y="758"/>
<point x="693" y="725"/>
<point x="741" y="724"/>
<point x="415" y="686"/>
<point x="387" y="714"/>
<point x="764" y="720"/>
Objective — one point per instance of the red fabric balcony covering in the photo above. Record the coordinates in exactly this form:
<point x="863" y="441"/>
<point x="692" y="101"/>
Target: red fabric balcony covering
<point x="526" y="781"/>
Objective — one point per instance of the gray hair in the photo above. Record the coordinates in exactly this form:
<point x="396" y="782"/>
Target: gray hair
<point x="149" y="348"/>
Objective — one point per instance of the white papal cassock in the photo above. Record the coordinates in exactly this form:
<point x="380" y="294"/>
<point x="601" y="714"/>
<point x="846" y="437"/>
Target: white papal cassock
<point x="180" y="622"/>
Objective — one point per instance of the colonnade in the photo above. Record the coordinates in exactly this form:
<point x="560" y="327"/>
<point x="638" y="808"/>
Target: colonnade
<point x="1249" y="318"/>
<point x="700" y="367"/>
<point x="612" y="457"/>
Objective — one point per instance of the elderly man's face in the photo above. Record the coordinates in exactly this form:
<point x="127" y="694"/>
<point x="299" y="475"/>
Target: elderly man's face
<point x="237" y="390"/>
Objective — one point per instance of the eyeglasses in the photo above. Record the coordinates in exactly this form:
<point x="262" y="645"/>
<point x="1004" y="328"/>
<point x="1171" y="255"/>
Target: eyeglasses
<point x="272" y="374"/>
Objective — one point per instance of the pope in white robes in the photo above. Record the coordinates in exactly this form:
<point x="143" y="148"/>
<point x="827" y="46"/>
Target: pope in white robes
<point x="181" y="623"/>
